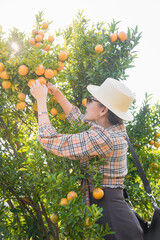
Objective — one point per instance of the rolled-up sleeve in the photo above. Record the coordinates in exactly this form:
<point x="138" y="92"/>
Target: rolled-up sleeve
<point x="86" y="144"/>
<point x="75" y="115"/>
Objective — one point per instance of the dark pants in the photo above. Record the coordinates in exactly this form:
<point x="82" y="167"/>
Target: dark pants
<point x="120" y="218"/>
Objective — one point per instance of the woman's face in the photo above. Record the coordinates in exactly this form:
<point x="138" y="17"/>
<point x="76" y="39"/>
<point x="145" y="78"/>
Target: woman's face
<point x="93" y="109"/>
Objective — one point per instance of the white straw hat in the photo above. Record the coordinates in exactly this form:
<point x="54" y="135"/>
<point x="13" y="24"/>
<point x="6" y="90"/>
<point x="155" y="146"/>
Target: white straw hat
<point x="115" y="96"/>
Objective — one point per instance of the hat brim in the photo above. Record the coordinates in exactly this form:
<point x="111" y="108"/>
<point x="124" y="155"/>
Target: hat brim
<point x="127" y="116"/>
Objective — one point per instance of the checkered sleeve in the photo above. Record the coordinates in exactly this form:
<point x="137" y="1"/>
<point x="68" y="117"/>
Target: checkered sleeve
<point x="75" y="146"/>
<point x="75" y="115"/>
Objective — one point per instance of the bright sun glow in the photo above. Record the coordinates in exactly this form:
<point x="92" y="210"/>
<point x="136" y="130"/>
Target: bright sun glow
<point x="15" y="46"/>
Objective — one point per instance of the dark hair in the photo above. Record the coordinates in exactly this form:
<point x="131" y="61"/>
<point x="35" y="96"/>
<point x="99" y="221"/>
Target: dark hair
<point x="112" y="118"/>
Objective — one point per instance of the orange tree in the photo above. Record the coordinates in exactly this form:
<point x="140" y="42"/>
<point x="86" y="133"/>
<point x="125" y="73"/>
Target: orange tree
<point x="34" y="183"/>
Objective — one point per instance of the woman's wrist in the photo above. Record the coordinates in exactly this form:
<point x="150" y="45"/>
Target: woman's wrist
<point x="42" y="105"/>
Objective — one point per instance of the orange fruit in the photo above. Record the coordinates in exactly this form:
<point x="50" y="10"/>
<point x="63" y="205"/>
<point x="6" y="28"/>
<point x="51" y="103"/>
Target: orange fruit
<point x="4" y="75"/>
<point x="38" y="45"/>
<point x="84" y="101"/>
<point x="99" y="48"/>
<point x="55" y="73"/>
<point x="63" y="202"/>
<point x="157" y="144"/>
<point x="157" y="134"/>
<point x="54" y="217"/>
<point x="23" y="70"/>
<point x="50" y="39"/>
<point x="113" y="37"/>
<point x="151" y="142"/>
<point x="42" y="80"/>
<point x="63" y="56"/>
<point x="98" y="193"/>
<point x="54" y="111"/>
<point x="47" y="47"/>
<point x="41" y="33"/>
<point x="21" y="105"/>
<point x="105" y="60"/>
<point x="122" y="36"/>
<point x="6" y="84"/>
<point x="71" y="195"/>
<point x="38" y="38"/>
<point x="35" y="107"/>
<point x="40" y="70"/>
<point x="45" y="25"/>
<point x="34" y="32"/>
<point x="22" y="96"/>
<point x="49" y="73"/>
<point x="155" y="165"/>
<point x="61" y="66"/>
<point x="62" y="116"/>
<point x="53" y="99"/>
<point x="32" y="41"/>
<point x="1" y="67"/>
<point x="30" y="82"/>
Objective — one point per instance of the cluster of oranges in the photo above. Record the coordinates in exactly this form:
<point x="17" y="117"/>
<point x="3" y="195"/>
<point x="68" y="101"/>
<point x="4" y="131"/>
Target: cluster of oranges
<point x="42" y="74"/>
<point x="155" y="143"/>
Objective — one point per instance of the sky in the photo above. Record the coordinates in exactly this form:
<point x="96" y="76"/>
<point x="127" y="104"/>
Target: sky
<point x="144" y="77"/>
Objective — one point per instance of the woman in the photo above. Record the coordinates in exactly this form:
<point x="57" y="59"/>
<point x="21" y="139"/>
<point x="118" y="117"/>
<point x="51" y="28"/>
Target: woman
<point x="105" y="111"/>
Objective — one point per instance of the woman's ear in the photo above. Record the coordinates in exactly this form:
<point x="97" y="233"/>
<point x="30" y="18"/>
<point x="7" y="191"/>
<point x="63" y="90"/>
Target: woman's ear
<point x="104" y="111"/>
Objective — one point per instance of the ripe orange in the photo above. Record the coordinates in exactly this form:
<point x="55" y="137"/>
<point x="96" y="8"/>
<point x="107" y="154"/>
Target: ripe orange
<point x="42" y="80"/>
<point x="38" y="38"/>
<point x="105" y="60"/>
<point x="98" y="193"/>
<point x="62" y="116"/>
<point x="99" y="48"/>
<point x="113" y="37"/>
<point x="63" y="202"/>
<point x="4" y="75"/>
<point x="30" y="82"/>
<point x="54" y="217"/>
<point x="157" y="134"/>
<point x="84" y="101"/>
<point x="54" y="99"/>
<point x="47" y="47"/>
<point x="155" y="165"/>
<point x="23" y="70"/>
<point x="22" y="96"/>
<point x="40" y="70"/>
<point x="122" y="36"/>
<point x="50" y="39"/>
<point x="49" y="73"/>
<point x="45" y="25"/>
<point x="71" y="195"/>
<point x="157" y="144"/>
<point x="41" y="33"/>
<point x="32" y="41"/>
<point x="6" y="84"/>
<point x="151" y="142"/>
<point x="35" y="107"/>
<point x="34" y="32"/>
<point x="61" y="66"/>
<point x="25" y="199"/>
<point x="63" y="56"/>
<point x="1" y="67"/>
<point x="21" y="105"/>
<point x="54" y="111"/>
<point x="38" y="45"/>
<point x="55" y="73"/>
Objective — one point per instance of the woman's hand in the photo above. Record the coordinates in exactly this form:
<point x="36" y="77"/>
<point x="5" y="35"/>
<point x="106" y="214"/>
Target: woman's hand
<point x="51" y="88"/>
<point x="38" y="91"/>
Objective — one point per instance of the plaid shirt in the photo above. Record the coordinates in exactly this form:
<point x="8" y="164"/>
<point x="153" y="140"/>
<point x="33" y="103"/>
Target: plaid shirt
<point x="106" y="143"/>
